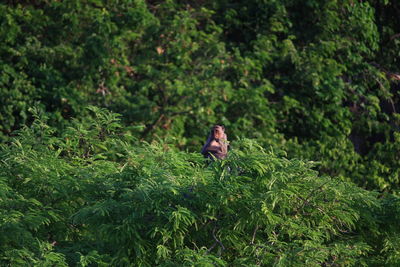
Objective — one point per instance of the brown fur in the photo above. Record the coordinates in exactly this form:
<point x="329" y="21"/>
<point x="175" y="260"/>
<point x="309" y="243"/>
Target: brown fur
<point x="217" y="143"/>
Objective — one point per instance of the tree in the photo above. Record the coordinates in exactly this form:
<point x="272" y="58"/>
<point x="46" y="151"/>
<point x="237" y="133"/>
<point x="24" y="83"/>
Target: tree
<point x="92" y="194"/>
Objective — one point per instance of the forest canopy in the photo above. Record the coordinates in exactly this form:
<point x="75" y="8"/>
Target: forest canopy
<point x="106" y="104"/>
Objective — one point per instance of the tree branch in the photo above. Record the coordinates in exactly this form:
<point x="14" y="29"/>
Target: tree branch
<point x="254" y="235"/>
<point x="153" y="125"/>
<point x="217" y="241"/>
<point x="394" y="36"/>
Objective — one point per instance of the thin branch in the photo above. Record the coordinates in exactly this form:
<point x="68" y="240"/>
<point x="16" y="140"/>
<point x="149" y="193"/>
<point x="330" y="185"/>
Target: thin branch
<point x="216" y="239"/>
<point x="394" y="36"/>
<point x="314" y="190"/>
<point x="380" y="84"/>
<point x="306" y="200"/>
<point x="393" y="106"/>
<point x="213" y="245"/>
<point x="152" y="126"/>
<point x="254" y="235"/>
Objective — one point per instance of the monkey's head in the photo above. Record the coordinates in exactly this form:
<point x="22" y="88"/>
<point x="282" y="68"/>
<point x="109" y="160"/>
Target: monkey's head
<point x="218" y="132"/>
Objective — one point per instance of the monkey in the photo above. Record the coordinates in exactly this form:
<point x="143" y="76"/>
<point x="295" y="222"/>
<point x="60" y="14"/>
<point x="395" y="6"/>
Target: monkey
<point x="216" y="144"/>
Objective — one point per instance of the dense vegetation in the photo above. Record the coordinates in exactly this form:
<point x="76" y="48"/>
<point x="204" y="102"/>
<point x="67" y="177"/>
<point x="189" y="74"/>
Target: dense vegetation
<point x="303" y="80"/>
<point x="96" y="196"/>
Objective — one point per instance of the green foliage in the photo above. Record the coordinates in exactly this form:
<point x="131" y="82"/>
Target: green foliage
<point x="93" y="195"/>
<point x="316" y="78"/>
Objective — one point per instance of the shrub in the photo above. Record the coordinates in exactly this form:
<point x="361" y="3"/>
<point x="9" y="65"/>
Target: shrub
<point x="92" y="195"/>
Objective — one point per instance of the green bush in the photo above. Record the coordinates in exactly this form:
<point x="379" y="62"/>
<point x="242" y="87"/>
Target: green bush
<point x="94" y="195"/>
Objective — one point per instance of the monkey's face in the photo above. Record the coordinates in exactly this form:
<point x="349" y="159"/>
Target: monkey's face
<point x="218" y="132"/>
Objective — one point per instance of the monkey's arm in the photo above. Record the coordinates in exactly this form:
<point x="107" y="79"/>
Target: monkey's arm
<point x="205" y="147"/>
<point x="224" y="144"/>
<point x="210" y="148"/>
